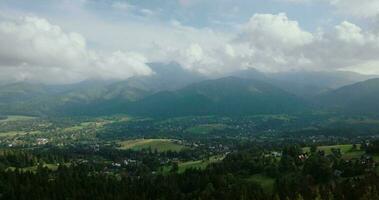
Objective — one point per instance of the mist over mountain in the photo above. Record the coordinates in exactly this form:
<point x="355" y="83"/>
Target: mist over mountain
<point x="173" y="91"/>
<point x="109" y="96"/>
<point x="225" y="96"/>
<point x="189" y="99"/>
<point x="305" y="84"/>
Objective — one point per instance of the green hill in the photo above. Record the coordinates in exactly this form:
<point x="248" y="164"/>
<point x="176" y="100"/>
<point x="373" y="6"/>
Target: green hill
<point x="362" y="97"/>
<point x="225" y="96"/>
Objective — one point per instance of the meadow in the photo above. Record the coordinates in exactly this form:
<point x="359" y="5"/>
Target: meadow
<point x="161" y="145"/>
<point x="347" y="150"/>
<point x="17" y="118"/>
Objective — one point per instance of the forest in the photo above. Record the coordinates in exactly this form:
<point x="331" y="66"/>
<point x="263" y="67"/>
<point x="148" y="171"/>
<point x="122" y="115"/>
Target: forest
<point x="295" y="175"/>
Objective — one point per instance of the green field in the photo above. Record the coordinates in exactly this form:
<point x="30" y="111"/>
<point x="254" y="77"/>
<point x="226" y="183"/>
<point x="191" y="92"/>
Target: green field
<point x="347" y="150"/>
<point x="161" y="145"/>
<point x="34" y="168"/>
<point x="205" y="128"/>
<point x="266" y="182"/>
<point x="199" y="164"/>
<point x="273" y="116"/>
<point x="17" y="133"/>
<point x="17" y="118"/>
<point x="194" y="164"/>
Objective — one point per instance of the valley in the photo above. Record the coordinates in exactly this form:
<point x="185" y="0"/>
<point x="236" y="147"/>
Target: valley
<point x="253" y="135"/>
<point x="255" y="150"/>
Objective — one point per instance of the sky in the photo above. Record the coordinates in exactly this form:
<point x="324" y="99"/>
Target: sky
<point x="67" y="41"/>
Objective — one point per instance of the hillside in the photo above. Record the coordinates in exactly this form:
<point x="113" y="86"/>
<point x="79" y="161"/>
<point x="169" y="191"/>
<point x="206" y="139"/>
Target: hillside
<point x="225" y="96"/>
<point x="92" y="97"/>
<point x="362" y="97"/>
<point x="305" y="84"/>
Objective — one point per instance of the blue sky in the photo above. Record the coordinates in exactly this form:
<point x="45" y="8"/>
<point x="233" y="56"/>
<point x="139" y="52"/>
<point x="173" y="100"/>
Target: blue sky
<point x="196" y="13"/>
<point x="72" y="40"/>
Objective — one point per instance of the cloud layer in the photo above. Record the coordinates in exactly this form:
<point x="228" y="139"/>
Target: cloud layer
<point x="34" y="49"/>
<point x="118" y="41"/>
<point x="275" y="43"/>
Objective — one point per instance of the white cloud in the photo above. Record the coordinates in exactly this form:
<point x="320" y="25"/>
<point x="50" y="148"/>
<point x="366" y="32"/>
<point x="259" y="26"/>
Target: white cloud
<point x="365" y="67"/>
<point x="274" y="43"/>
<point x="33" y="49"/>
<point x="272" y="31"/>
<point x="121" y="65"/>
<point x="271" y="43"/>
<point x="350" y="33"/>
<point x="266" y="42"/>
<point x="346" y="47"/>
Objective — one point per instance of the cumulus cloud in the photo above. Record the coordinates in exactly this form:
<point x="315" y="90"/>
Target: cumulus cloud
<point x="350" y="33"/>
<point x="274" y="43"/>
<point x="267" y="42"/>
<point x="270" y="43"/>
<point x="346" y="47"/>
<point x="33" y="49"/>
<point x="273" y="31"/>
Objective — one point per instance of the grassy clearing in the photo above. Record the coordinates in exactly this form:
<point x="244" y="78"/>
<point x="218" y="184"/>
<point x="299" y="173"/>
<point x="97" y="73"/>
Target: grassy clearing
<point x="205" y="128"/>
<point x="17" y="133"/>
<point x="17" y="118"/>
<point x="266" y="182"/>
<point x="328" y="149"/>
<point x="194" y="164"/>
<point x="376" y="158"/>
<point x="34" y="168"/>
<point x="278" y="117"/>
<point x="353" y="155"/>
<point x="347" y="150"/>
<point x="161" y="145"/>
<point x="12" y="133"/>
<point x="199" y="164"/>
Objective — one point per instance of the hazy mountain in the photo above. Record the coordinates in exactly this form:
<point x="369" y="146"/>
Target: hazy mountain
<point x="172" y="90"/>
<point x="319" y="80"/>
<point x="305" y="84"/>
<point x="165" y="77"/>
<point x="169" y="76"/>
<point x="362" y="97"/>
<point x="250" y="73"/>
<point x="92" y="96"/>
<point x="225" y="96"/>
<point x="16" y="91"/>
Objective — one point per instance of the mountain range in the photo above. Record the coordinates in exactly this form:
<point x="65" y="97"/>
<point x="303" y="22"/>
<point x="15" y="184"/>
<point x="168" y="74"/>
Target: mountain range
<point x="174" y="91"/>
<point x="358" y="98"/>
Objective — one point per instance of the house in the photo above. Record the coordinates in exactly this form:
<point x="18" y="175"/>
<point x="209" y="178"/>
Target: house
<point x="276" y="154"/>
<point x="42" y="141"/>
<point x="116" y="164"/>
